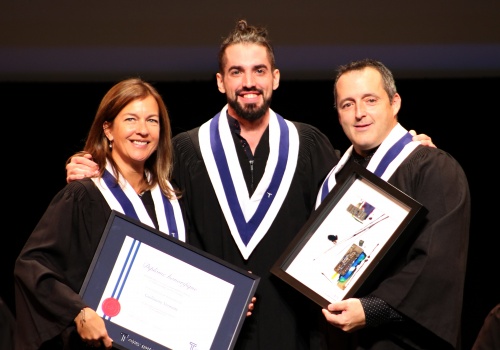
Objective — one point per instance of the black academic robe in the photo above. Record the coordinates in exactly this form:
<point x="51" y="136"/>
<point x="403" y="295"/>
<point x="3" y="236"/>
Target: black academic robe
<point x="424" y="282"/>
<point x="282" y="318"/>
<point x="53" y="263"/>
<point x="52" y="266"/>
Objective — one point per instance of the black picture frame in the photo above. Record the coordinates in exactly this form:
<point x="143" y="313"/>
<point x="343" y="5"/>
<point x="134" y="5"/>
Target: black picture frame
<point x="351" y="236"/>
<point x="141" y="278"/>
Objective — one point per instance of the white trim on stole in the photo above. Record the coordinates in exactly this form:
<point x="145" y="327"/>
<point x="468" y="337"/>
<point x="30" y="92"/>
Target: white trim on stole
<point x="248" y="204"/>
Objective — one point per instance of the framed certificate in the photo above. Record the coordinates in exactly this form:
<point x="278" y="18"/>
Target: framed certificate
<point x="351" y="235"/>
<point x="156" y="292"/>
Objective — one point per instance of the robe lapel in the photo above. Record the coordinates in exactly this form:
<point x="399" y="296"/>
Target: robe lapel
<point x="391" y="153"/>
<point x="123" y="199"/>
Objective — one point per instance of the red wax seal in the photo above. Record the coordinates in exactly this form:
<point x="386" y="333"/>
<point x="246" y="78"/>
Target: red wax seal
<point x="111" y="307"/>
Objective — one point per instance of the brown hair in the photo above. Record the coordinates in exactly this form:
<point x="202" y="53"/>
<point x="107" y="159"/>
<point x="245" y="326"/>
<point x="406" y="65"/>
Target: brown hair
<point x="159" y="164"/>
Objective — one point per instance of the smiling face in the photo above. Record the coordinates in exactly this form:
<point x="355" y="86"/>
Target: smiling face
<point x="365" y="112"/>
<point x="134" y="133"/>
<point x="248" y="81"/>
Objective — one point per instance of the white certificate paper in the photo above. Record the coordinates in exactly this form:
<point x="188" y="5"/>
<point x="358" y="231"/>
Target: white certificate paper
<point x="163" y="298"/>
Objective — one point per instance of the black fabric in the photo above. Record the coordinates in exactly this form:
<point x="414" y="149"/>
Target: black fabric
<point x="52" y="266"/>
<point x="377" y="312"/>
<point x="7" y="325"/>
<point x="47" y="285"/>
<point x="283" y="318"/>
<point x="424" y="281"/>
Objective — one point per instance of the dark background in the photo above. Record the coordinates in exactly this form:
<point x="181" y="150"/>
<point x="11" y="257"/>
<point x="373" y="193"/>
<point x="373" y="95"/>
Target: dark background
<point x="58" y="58"/>
<point x="96" y="40"/>
<point x="45" y="123"/>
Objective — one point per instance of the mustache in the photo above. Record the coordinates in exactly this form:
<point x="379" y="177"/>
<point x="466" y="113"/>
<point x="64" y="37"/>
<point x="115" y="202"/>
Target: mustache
<point x="249" y="89"/>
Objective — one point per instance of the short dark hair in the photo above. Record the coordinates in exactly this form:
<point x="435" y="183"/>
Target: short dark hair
<point x="387" y="77"/>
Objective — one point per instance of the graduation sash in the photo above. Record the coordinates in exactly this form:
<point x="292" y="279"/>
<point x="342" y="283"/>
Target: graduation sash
<point x="388" y="157"/>
<point x="249" y="218"/>
<point x="123" y="198"/>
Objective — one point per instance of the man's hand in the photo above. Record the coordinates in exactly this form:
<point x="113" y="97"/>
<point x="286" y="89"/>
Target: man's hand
<point x="81" y="167"/>
<point x="348" y="315"/>
<point x="423" y="138"/>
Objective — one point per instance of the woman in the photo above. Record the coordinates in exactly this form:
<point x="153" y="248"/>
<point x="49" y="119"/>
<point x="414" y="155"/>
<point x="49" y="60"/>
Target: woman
<point x="130" y="140"/>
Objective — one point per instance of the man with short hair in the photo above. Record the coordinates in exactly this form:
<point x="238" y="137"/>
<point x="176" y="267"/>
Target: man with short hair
<point x="416" y="303"/>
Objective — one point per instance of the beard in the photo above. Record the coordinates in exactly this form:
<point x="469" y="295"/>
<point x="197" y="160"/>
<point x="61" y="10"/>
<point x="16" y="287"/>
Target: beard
<point x="251" y="111"/>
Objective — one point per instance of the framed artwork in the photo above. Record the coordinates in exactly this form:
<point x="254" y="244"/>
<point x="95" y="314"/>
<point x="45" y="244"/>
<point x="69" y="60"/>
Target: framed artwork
<point x="351" y="234"/>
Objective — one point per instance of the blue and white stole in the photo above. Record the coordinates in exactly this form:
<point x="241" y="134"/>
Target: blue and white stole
<point x="388" y="157"/>
<point x="249" y="218"/>
<point x="125" y="200"/>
